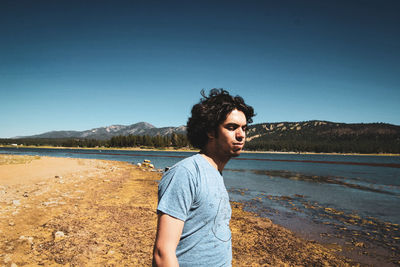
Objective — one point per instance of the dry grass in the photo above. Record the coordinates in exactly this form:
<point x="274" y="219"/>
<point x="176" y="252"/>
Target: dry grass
<point x="11" y="159"/>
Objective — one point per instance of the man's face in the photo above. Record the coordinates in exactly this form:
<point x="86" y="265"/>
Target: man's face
<point x="231" y="134"/>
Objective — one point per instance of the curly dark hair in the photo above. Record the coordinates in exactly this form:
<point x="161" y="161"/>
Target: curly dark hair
<point x="210" y="112"/>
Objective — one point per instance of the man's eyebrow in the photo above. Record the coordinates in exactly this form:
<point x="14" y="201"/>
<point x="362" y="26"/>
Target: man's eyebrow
<point x="235" y="124"/>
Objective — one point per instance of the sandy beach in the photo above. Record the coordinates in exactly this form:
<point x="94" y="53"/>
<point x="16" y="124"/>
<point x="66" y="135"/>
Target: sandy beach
<point x="63" y="211"/>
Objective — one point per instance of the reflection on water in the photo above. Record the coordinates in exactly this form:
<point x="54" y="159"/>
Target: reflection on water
<point x="359" y="214"/>
<point x="326" y="179"/>
<point x="375" y="239"/>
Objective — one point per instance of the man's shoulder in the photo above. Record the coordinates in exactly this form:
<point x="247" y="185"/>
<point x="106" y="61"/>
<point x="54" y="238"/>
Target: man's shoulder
<point x="189" y="166"/>
<point x="182" y="172"/>
<point x="189" y="162"/>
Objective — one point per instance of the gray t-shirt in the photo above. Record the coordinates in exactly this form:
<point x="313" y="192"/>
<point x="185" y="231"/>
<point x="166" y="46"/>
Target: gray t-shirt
<point x="193" y="191"/>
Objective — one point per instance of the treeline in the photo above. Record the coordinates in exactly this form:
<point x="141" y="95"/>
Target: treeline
<point x="174" y="140"/>
<point x="144" y="141"/>
<point x="278" y="141"/>
<point x="366" y="144"/>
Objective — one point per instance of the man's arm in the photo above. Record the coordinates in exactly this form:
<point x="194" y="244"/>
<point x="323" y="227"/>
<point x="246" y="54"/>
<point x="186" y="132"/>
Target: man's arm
<point x="169" y="230"/>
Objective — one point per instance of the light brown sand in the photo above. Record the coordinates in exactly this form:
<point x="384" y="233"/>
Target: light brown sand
<point x="102" y="213"/>
<point x="30" y="169"/>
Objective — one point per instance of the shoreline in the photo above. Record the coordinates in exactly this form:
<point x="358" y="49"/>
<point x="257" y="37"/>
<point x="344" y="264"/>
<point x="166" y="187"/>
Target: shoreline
<point x="97" y="212"/>
<point x="196" y="150"/>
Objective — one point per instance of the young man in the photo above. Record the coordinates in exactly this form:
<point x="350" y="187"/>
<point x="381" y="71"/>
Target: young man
<point x="193" y="204"/>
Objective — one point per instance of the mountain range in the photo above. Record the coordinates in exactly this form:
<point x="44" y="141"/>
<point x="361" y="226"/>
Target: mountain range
<point x="255" y="132"/>
<point x="313" y="136"/>
<point x="319" y="128"/>
<point x="104" y="133"/>
<point x="324" y="136"/>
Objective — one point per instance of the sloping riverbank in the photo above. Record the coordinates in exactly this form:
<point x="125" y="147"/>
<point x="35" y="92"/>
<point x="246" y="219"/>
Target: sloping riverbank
<point x="94" y="212"/>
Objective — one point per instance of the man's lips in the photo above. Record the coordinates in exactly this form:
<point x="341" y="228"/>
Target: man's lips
<point x="238" y="145"/>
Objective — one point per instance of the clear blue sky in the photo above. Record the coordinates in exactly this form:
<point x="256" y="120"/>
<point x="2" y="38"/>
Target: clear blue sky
<point x="77" y="65"/>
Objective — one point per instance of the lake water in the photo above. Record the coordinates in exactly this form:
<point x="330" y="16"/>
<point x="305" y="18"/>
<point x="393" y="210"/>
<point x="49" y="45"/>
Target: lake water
<point x="345" y="198"/>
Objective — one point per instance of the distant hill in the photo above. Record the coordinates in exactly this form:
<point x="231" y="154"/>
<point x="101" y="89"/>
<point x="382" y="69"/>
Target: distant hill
<point x="325" y="136"/>
<point x="105" y="133"/>
<point x="306" y="136"/>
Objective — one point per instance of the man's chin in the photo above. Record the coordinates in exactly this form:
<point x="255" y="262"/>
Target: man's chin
<point x="236" y="153"/>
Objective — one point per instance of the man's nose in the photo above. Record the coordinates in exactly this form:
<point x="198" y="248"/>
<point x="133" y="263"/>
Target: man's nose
<point x="240" y="134"/>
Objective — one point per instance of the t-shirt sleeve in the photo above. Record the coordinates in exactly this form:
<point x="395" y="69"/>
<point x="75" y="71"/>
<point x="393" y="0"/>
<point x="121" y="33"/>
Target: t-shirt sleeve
<point x="176" y="193"/>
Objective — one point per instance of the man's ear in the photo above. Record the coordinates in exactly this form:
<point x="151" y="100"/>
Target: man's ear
<point x="211" y="134"/>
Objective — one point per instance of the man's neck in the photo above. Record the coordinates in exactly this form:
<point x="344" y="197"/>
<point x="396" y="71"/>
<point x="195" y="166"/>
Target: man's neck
<point x="215" y="159"/>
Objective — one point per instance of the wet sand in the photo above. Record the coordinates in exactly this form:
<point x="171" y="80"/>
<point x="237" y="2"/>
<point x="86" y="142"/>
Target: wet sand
<point x="61" y="211"/>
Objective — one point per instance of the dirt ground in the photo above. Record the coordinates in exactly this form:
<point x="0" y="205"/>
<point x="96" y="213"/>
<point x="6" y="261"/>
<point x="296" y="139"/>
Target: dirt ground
<point x="83" y="212"/>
